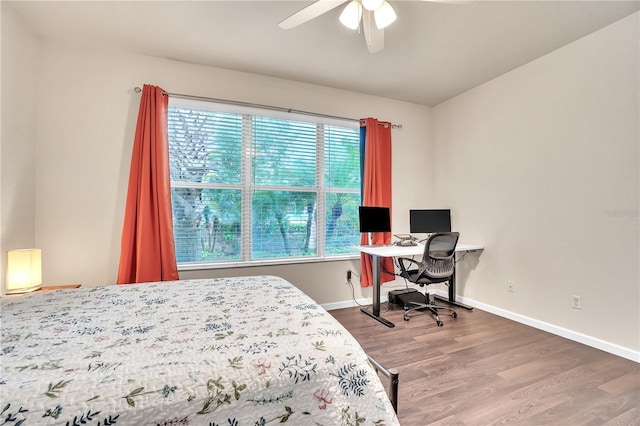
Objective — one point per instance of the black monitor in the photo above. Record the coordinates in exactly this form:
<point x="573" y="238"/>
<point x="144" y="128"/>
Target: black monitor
<point x="429" y="221"/>
<point x="374" y="219"/>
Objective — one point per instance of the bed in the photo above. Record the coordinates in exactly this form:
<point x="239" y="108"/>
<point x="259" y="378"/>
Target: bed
<point x="229" y="351"/>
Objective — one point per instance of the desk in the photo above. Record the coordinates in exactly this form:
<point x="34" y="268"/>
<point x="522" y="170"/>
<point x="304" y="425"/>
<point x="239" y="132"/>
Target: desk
<point x="377" y="252"/>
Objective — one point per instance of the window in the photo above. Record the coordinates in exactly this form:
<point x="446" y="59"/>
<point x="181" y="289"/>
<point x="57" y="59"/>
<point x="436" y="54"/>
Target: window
<point x="261" y="186"/>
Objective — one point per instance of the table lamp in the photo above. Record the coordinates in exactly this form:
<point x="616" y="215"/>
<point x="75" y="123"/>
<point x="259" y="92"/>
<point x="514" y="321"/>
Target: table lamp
<point x="24" y="270"/>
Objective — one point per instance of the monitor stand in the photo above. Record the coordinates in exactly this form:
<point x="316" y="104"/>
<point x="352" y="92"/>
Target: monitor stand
<point x="370" y="240"/>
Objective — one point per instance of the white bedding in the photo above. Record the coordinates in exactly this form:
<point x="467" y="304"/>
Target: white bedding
<point x="233" y="351"/>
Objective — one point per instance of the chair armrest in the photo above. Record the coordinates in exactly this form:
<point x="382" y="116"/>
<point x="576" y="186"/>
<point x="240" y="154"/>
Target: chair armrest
<point x="406" y="259"/>
<point x="404" y="267"/>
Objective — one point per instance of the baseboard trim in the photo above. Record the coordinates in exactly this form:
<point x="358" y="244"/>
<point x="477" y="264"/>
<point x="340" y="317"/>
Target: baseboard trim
<point x="347" y="304"/>
<point x="593" y="342"/>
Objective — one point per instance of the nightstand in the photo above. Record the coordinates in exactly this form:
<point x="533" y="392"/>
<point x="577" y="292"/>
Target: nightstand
<point x="58" y="287"/>
<point x="47" y="288"/>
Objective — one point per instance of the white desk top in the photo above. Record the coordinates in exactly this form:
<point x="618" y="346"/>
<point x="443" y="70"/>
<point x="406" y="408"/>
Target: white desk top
<point x="399" y="251"/>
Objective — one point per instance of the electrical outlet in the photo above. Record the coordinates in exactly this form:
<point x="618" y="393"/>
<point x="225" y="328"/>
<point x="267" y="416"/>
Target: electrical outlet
<point x="349" y="276"/>
<point x="510" y="286"/>
<point x="576" y="302"/>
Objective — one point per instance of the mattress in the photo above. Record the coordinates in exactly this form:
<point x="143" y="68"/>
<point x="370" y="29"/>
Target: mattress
<point x="230" y="351"/>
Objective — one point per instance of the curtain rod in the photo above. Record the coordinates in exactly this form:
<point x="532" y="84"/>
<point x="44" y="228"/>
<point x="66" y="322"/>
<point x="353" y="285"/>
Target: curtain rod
<point x="269" y="107"/>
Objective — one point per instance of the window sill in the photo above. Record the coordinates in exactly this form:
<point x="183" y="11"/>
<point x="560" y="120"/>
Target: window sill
<point x="194" y="266"/>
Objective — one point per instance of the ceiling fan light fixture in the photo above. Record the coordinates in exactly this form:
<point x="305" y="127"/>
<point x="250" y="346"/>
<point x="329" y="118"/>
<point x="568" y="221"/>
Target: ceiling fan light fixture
<point x="384" y="15"/>
<point x="372" y="5"/>
<point x="351" y="15"/>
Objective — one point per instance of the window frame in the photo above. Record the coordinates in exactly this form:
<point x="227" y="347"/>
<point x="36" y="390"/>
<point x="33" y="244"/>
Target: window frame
<point x="247" y="187"/>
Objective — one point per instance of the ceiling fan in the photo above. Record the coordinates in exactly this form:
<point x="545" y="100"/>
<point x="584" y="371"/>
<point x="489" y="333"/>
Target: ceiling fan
<point x="373" y="16"/>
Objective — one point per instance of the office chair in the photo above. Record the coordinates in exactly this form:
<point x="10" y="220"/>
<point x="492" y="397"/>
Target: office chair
<point x="437" y="266"/>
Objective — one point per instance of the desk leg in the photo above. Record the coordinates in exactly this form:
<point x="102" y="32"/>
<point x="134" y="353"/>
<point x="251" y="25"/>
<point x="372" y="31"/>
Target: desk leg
<point x="451" y="300"/>
<point x="375" y="306"/>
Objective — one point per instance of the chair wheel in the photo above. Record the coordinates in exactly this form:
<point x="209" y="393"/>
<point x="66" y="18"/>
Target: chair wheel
<point x="406" y="318"/>
<point x="440" y="323"/>
<point x="454" y="314"/>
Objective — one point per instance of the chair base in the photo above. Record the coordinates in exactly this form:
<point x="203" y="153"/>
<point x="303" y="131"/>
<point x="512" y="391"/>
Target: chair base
<point x="430" y="306"/>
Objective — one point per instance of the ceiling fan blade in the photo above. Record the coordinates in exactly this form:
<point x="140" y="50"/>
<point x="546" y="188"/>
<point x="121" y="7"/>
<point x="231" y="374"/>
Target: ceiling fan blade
<point x="372" y="35"/>
<point x="308" y="13"/>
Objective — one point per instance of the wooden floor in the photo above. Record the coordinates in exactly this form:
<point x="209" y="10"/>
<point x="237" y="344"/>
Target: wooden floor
<point x="481" y="369"/>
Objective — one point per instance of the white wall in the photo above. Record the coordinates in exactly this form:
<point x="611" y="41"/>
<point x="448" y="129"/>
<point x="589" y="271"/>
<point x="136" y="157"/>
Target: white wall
<point x="18" y="136"/>
<point x="542" y="166"/>
<point x="86" y="114"/>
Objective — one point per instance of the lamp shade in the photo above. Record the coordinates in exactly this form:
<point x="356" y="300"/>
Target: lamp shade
<point x="350" y="16"/>
<point x="384" y="15"/>
<point x="24" y="270"/>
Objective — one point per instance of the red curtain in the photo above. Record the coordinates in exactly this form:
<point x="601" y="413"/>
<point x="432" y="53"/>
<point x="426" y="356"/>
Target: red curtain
<point x="147" y="250"/>
<point x="376" y="191"/>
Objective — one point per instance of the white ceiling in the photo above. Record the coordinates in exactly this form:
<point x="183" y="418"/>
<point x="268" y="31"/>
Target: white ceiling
<point x="432" y="52"/>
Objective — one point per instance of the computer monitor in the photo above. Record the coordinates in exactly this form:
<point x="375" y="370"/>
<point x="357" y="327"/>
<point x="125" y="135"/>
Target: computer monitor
<point x="429" y="221"/>
<point x="374" y="219"/>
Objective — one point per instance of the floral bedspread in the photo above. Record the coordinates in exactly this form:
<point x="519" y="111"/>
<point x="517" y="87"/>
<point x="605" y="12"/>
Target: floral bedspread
<point x="230" y="351"/>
